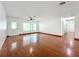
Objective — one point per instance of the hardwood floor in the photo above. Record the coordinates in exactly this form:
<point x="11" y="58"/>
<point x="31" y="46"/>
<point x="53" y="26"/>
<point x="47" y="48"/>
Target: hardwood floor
<point x="38" y="45"/>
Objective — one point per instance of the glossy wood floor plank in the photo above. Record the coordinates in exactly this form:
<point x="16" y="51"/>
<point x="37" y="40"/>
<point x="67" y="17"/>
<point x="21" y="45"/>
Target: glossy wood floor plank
<point x="39" y="45"/>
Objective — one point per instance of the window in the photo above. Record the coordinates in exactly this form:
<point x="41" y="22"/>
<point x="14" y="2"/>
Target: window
<point x="30" y="27"/>
<point x="34" y="27"/>
<point x="14" y="25"/>
<point x="26" y="27"/>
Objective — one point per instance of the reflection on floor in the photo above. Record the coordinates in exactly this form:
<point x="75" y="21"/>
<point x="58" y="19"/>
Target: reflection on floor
<point x="38" y="45"/>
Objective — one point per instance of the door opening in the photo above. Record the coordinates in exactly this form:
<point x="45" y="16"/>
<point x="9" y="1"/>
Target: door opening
<point x="69" y="29"/>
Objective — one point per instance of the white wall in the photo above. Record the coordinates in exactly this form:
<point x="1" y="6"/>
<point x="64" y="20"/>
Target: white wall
<point x="51" y="25"/>
<point x="3" y="32"/>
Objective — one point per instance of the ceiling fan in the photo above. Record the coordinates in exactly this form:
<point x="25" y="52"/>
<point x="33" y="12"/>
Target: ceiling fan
<point x="62" y="3"/>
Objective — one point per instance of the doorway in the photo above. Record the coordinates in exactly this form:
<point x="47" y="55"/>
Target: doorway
<point x="69" y="29"/>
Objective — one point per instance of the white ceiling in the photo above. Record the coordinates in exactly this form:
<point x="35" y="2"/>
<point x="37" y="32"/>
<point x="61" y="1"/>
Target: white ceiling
<point x="41" y="8"/>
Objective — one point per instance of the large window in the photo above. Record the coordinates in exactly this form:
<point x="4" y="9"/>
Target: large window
<point x="26" y="27"/>
<point x="14" y="25"/>
<point x="30" y="26"/>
